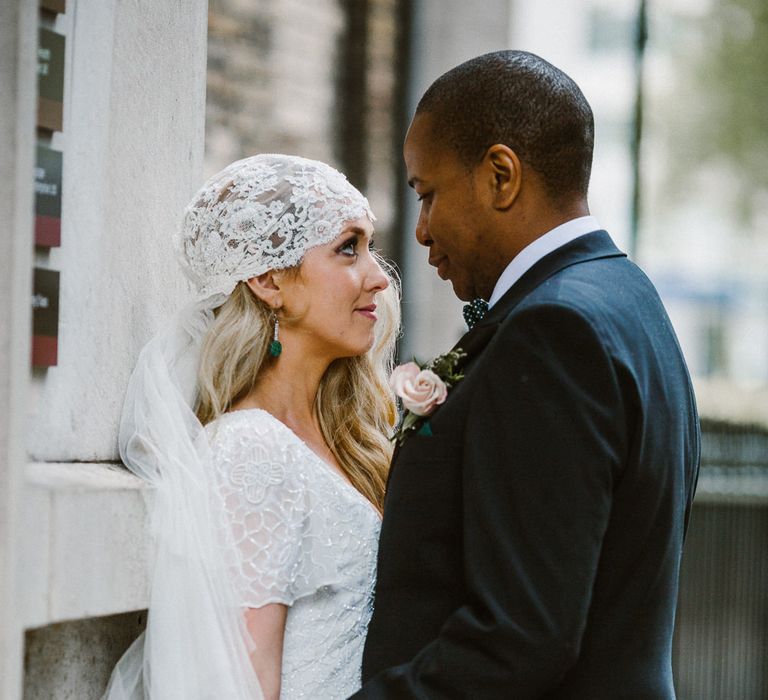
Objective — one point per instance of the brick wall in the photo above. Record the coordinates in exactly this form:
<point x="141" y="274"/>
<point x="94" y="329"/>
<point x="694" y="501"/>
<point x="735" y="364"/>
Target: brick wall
<point x="275" y="72"/>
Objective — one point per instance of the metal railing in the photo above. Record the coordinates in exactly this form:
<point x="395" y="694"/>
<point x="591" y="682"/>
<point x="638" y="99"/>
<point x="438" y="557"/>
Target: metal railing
<point x="721" y="636"/>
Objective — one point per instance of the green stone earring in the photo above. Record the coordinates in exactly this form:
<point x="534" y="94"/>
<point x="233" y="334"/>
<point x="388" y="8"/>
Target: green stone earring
<point x="275" y="347"/>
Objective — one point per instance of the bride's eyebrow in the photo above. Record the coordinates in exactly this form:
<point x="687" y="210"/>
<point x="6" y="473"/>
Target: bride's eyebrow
<point x="357" y="231"/>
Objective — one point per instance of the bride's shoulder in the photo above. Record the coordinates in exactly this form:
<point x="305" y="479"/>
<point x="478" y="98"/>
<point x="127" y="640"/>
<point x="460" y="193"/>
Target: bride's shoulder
<point x="256" y="458"/>
<point x="249" y="430"/>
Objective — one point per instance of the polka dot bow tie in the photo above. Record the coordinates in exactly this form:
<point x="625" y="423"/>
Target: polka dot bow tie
<point x="474" y="312"/>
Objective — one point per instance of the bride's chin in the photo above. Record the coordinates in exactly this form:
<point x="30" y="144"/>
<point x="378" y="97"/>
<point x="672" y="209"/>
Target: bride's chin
<point x="362" y="348"/>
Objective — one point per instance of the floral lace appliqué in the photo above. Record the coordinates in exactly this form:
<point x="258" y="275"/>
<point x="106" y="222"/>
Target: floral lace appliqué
<point x="256" y="476"/>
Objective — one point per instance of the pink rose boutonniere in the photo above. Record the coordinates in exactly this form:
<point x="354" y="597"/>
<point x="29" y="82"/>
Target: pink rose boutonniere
<point x="422" y="388"/>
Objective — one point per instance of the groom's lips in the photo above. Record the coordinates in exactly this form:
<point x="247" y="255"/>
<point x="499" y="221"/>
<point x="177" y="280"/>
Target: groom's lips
<point x="441" y="264"/>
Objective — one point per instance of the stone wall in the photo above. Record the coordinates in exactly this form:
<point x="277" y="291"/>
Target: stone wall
<point x="73" y="660"/>
<point x="71" y="519"/>
<point x="132" y="142"/>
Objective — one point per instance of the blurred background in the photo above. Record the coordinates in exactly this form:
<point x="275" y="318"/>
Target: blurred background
<point x="680" y="180"/>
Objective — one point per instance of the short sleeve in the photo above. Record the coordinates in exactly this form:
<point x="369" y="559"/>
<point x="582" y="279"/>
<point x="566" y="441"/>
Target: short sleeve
<point x="276" y="527"/>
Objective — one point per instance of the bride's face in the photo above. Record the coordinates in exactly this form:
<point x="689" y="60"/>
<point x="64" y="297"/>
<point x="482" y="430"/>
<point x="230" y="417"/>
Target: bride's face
<point x="333" y="296"/>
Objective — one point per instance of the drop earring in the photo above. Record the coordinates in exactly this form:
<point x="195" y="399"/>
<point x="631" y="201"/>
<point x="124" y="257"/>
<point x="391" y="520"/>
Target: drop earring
<point x="275" y="347"/>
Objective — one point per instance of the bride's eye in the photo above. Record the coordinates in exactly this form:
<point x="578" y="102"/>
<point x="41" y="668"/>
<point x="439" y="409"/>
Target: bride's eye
<point x="349" y="247"/>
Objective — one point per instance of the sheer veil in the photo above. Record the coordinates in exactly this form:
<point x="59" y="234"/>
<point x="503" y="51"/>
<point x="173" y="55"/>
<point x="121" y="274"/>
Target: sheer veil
<point x="258" y="214"/>
<point x="195" y="642"/>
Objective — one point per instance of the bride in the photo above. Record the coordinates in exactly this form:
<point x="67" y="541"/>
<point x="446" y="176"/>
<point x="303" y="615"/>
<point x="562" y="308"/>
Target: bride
<point x="260" y="417"/>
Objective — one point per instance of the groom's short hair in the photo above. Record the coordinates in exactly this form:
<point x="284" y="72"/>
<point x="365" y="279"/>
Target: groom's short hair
<point x="518" y="99"/>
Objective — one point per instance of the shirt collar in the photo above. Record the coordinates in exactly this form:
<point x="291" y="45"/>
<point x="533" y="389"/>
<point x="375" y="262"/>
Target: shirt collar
<point x="535" y="251"/>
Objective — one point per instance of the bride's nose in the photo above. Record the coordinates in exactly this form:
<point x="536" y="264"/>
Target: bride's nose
<point x="376" y="279"/>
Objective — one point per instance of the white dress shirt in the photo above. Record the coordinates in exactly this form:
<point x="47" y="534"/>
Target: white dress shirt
<point x="543" y="245"/>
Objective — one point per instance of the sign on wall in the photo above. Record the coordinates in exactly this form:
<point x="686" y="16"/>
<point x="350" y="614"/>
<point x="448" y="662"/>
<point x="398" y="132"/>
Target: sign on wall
<point x="48" y="197"/>
<point x="54" y="5"/>
<point x="45" y="318"/>
<point x="48" y="175"/>
<point x="50" y="80"/>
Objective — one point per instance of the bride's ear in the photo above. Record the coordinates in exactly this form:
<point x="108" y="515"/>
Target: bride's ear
<point x="267" y="288"/>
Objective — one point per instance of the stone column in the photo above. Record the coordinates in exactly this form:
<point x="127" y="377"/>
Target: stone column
<point x="18" y="42"/>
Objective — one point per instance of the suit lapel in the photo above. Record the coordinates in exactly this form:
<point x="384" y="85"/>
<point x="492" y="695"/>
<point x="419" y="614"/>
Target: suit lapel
<point x="474" y="341"/>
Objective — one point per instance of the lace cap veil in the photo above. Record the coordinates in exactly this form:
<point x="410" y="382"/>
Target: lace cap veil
<point x="258" y="214"/>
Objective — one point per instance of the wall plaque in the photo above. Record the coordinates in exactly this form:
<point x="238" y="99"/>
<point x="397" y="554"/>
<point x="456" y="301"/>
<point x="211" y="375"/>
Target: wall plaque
<point x="50" y="80"/>
<point x="59" y="6"/>
<point x="48" y="197"/>
<point x="45" y="318"/>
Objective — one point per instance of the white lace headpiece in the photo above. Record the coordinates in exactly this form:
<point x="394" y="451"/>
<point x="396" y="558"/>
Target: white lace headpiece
<point x="263" y="213"/>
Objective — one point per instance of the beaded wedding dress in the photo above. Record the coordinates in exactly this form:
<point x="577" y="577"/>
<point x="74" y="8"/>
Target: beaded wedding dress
<point x="303" y="536"/>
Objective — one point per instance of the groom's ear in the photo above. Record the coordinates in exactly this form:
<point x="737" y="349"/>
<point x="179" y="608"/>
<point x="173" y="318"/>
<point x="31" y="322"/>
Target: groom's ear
<point x="506" y="173"/>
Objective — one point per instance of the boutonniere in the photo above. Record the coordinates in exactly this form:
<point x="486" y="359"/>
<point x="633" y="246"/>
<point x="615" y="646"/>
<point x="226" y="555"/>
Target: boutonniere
<point x="422" y="388"/>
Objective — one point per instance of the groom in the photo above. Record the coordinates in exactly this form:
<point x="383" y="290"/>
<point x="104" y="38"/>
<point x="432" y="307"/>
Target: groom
<point x="531" y="544"/>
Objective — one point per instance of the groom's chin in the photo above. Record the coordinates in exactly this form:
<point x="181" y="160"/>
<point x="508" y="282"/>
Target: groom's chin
<point x="461" y="289"/>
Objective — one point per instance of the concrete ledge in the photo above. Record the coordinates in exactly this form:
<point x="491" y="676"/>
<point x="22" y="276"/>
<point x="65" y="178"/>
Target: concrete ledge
<point x="73" y="660"/>
<point x="83" y="542"/>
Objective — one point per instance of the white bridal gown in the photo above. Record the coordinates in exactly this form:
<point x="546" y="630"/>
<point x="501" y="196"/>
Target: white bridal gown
<point x="303" y="537"/>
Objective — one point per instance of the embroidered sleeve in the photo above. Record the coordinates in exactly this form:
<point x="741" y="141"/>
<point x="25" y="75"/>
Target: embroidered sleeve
<point x="279" y="546"/>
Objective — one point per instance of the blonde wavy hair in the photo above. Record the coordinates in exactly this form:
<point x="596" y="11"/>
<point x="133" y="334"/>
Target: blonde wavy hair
<point x="355" y="405"/>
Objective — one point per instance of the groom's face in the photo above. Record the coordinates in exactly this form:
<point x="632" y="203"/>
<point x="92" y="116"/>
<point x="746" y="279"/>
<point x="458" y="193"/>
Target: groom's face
<point x="451" y="220"/>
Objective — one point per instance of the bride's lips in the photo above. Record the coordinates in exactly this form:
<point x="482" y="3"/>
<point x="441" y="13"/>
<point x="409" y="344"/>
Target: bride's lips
<point x="368" y="311"/>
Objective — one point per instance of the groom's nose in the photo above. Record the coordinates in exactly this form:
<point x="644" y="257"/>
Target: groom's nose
<point x="422" y="234"/>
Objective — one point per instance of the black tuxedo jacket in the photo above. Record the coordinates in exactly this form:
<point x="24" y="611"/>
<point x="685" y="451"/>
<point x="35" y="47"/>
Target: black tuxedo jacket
<point x="531" y="545"/>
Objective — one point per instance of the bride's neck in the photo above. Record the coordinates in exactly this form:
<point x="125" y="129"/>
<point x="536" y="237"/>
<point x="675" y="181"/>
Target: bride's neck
<point x="287" y="388"/>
